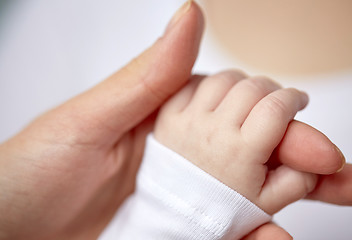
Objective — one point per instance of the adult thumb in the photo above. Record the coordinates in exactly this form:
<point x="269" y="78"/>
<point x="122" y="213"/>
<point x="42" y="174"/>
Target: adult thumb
<point x="120" y="102"/>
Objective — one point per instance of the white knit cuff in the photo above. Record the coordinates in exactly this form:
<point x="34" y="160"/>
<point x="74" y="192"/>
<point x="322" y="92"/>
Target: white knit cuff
<point x="196" y="195"/>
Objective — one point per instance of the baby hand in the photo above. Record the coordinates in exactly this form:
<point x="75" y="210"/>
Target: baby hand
<point x="229" y="125"/>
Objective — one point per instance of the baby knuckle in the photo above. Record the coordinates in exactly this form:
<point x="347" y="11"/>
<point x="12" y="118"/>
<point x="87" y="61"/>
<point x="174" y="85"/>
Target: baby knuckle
<point x="310" y="181"/>
<point x="263" y="84"/>
<point x="263" y="79"/>
<point x="303" y="187"/>
<point x="255" y="84"/>
<point x="276" y="106"/>
<point x="295" y="93"/>
<point x="230" y="75"/>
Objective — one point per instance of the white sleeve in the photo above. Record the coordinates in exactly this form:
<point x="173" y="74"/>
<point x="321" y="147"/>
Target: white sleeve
<point x="175" y="199"/>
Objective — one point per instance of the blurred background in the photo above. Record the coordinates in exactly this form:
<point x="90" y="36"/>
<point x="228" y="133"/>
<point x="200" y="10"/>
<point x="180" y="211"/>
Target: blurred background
<point x="53" y="50"/>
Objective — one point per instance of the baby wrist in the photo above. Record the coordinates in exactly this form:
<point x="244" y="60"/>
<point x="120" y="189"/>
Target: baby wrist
<point x="207" y="204"/>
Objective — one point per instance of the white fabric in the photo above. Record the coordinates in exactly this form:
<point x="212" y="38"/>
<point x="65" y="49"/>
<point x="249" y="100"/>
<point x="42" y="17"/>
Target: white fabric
<point x="52" y="50"/>
<point x="175" y="199"/>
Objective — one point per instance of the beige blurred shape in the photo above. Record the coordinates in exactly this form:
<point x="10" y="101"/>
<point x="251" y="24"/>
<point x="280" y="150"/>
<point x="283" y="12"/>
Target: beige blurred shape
<point x="290" y="37"/>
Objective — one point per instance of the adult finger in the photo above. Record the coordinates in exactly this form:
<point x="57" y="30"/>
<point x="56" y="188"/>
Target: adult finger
<point x="304" y="148"/>
<point x="268" y="231"/>
<point x="127" y="97"/>
<point x="335" y="188"/>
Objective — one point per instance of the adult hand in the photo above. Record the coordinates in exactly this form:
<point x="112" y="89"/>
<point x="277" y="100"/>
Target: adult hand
<point x="335" y="186"/>
<point x="64" y="176"/>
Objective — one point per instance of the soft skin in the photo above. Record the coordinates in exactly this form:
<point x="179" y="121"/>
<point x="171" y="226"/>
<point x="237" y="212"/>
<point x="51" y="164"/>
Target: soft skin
<point x="229" y="125"/>
<point x="66" y="174"/>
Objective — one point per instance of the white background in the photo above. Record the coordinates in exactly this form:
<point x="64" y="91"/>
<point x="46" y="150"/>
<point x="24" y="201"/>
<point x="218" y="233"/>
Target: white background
<point x="53" y="50"/>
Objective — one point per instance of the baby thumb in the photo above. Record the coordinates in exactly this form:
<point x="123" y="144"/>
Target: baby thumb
<point x="284" y="186"/>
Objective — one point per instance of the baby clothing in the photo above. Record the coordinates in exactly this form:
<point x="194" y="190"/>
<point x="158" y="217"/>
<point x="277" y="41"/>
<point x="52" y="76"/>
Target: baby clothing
<point x="174" y="199"/>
